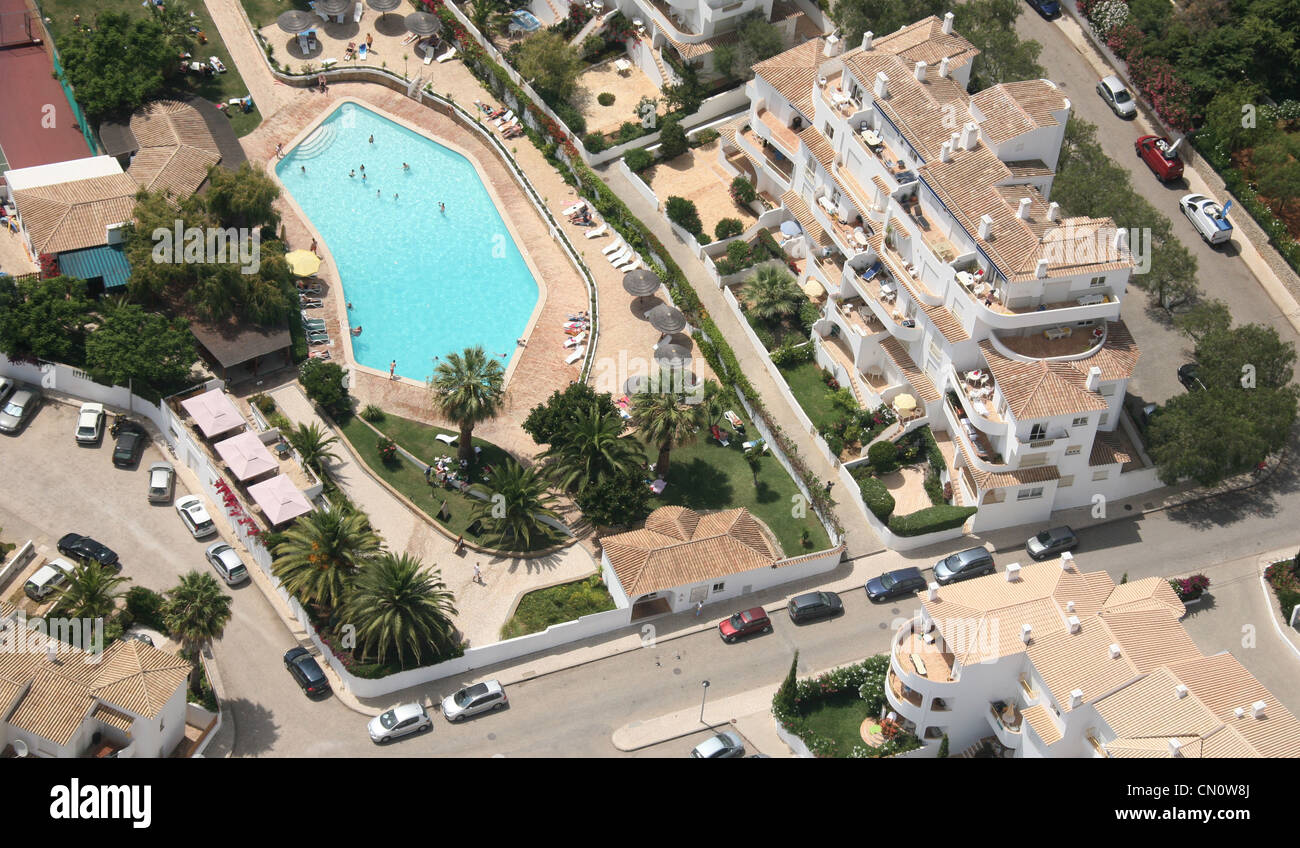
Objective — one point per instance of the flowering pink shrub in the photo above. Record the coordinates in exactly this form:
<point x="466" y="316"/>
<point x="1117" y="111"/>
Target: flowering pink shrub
<point x="1126" y="41"/>
<point x="1171" y="97"/>
<point x="1190" y="588"/>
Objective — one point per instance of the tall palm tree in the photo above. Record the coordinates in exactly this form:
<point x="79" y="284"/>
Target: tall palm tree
<point x="196" y="612"/>
<point x="91" y="591"/>
<point x="399" y="608"/>
<point x="714" y="402"/>
<point x="468" y="388"/>
<point x="517" y="502"/>
<point x="592" y="450"/>
<point x="321" y="553"/>
<point x="772" y="294"/>
<point x="313" y="445"/>
<point x="666" y="421"/>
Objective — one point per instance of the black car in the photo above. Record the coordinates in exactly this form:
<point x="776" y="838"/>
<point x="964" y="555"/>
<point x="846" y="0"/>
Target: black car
<point x="306" y="671"/>
<point x="1047" y="8"/>
<point x="1189" y="376"/>
<point x="813" y="606"/>
<point x="963" y="565"/>
<point x="130" y="442"/>
<point x="83" y="547"/>
<point x="1051" y="542"/>
<point x="895" y="584"/>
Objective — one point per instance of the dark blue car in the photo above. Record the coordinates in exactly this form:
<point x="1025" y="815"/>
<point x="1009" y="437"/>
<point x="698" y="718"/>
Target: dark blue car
<point x="895" y="584"/>
<point x="1047" y="8"/>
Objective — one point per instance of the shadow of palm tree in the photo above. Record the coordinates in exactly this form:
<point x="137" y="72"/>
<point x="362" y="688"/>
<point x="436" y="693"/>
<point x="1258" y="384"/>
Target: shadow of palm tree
<point x="698" y="485"/>
<point x="255" y="727"/>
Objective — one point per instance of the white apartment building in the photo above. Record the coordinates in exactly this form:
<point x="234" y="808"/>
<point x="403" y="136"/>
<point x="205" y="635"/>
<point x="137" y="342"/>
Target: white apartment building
<point x="927" y="217"/>
<point x="1049" y="661"/>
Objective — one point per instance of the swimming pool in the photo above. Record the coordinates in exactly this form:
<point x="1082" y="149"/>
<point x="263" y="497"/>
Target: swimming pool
<point x="422" y="283"/>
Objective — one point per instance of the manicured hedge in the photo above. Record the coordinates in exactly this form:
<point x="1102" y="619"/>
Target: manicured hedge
<point x="930" y="520"/>
<point x="876" y="497"/>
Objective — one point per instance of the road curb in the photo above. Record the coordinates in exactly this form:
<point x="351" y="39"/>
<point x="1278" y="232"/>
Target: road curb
<point x="1270" y="598"/>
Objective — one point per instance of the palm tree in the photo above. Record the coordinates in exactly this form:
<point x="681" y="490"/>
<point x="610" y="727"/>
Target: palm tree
<point x="517" y="502"/>
<point x="91" y="591"/>
<point x="398" y="608"/>
<point x="313" y="445"/>
<point x="772" y="294"/>
<point x="196" y="612"/>
<point x="714" y="402"/>
<point x="467" y="389"/>
<point x="592" y="450"/>
<point x="321" y="553"/>
<point x="666" y="421"/>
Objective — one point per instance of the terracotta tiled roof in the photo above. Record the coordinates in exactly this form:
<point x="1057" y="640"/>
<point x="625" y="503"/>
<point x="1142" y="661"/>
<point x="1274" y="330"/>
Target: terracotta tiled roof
<point x="1117" y="357"/>
<point x="114" y="718"/>
<point x="818" y="146"/>
<point x="691" y="51"/>
<point x="1148" y="593"/>
<point x="794" y="72"/>
<point x="678" y="546"/>
<point x="139" y="678"/>
<point x="1149" y="637"/>
<point x="1106" y="450"/>
<point x="1040" y="389"/>
<point x="795" y="560"/>
<point x="1224" y="685"/>
<point x="1029" y="168"/>
<point x="894" y="349"/>
<point x="925" y="41"/>
<point x="986" y="480"/>
<point x="799" y="209"/>
<point x="1042" y="722"/>
<point x="1012" y="109"/>
<point x="73" y="215"/>
<point x="176" y="148"/>
<point x="922" y="111"/>
<point x="53" y="708"/>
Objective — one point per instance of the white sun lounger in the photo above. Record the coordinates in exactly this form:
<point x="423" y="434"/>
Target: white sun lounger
<point x="599" y="231"/>
<point x="574" y="208"/>
<point x="505" y="119"/>
<point x="410" y="38"/>
<point x="428" y="57"/>
<point x="361" y="10"/>
<point x="609" y="250"/>
<point x="577" y="340"/>
<point x="447" y="439"/>
<point x="576" y="355"/>
<point x="451" y="52"/>
<point x="620" y="257"/>
<point x="636" y="263"/>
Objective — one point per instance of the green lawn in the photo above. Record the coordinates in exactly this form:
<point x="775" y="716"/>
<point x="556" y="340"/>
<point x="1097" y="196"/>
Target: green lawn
<point x="706" y="476"/>
<point x="839" y="718"/>
<point x="263" y="12"/>
<point x="805" y="381"/>
<point x="540" y="609"/>
<point x="217" y="89"/>
<point x="409" y="480"/>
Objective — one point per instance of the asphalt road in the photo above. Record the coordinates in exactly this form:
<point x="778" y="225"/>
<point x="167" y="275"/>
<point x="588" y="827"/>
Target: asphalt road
<point x="1222" y="274"/>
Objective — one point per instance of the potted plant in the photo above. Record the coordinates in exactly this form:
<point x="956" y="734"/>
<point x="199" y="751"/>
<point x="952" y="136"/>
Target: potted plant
<point x="1190" y="589"/>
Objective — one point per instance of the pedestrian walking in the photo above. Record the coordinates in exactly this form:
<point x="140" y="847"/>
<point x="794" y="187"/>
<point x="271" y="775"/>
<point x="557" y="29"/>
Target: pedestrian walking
<point x="478" y="575"/>
<point x="428" y="474"/>
<point x="699" y="608"/>
<point x="392" y="370"/>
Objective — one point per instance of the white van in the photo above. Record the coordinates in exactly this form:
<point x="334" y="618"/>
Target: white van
<point x="47" y="578"/>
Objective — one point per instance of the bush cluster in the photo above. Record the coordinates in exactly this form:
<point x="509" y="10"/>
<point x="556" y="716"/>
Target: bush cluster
<point x="930" y="520"/>
<point x="876" y="497"/>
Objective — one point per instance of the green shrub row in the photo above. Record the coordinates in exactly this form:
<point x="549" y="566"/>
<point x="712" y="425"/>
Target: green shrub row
<point x="930" y="520"/>
<point x="876" y="497"/>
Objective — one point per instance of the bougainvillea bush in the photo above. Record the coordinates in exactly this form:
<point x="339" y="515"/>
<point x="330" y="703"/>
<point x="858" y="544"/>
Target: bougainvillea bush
<point x="1190" y="588"/>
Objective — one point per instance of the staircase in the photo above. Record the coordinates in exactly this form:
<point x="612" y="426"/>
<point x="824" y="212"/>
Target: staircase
<point x="316" y="143"/>
<point x="981" y="750"/>
<point x="555" y="10"/>
<point x="591" y="26"/>
<point x="659" y="63"/>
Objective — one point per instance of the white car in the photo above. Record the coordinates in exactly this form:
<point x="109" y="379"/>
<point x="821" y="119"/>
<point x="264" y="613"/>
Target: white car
<point x="1117" y="97"/>
<point x="196" y="518"/>
<point x="227" y="563"/>
<point x="90" y="423"/>
<point x="48" y="578"/>
<point x="1208" y="217"/>
<point x="475" y="699"/>
<point x="400" y="721"/>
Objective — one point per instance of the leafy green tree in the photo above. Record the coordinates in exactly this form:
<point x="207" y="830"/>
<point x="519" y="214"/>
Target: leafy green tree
<point x="1172" y="277"/>
<point x="91" y="591"/>
<point x="616" y="501"/>
<point x="517" y="502"/>
<point x="990" y="26"/>
<point x="468" y="389"/>
<point x="401" y="609"/>
<point x="547" y="422"/>
<point x="592" y="449"/>
<point x="1205" y="317"/>
<point x="672" y="139"/>
<point x="756" y="39"/>
<point x="1277" y="163"/>
<point x="321" y="554"/>
<point x="119" y="64"/>
<point x="546" y="59"/>
<point x="1211" y="435"/>
<point x="323" y="383"/>
<point x="683" y="213"/>
<point x="1226" y="114"/>
<point x="143" y="349"/>
<point x="153" y="281"/>
<point x="242" y="198"/>
<point x="312" y="443"/>
<point x="665" y="421"/>
<point x="1251" y="352"/>
<point x="44" y="318"/>
<point x="773" y="295"/>
<point x="196" y="612"/>
<point x="686" y="95"/>
<point x="882" y="17"/>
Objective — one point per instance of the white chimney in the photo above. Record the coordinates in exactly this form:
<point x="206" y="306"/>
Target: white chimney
<point x="1040" y="270"/>
<point x="1174" y="747"/>
<point x="51" y="652"/>
<point x="1022" y="211"/>
<point x="1180" y="691"/>
<point x="1026" y="630"/>
<point x="1054" y="211"/>
<point x="932" y="591"/>
<point x="1073" y="621"/>
<point x="986" y="227"/>
<point x="1076" y="699"/>
<point x="1069" y="606"/>
<point x="947" y="23"/>
<point x="919" y="71"/>
<point x="834" y="46"/>
<point x="1239" y="712"/>
<point x="882" y="85"/>
<point x="954" y="139"/>
<point x="1121" y="240"/>
<point x="1114" y="651"/>
<point x="1067" y="560"/>
<point x="1094" y="379"/>
<point x="945" y="152"/>
<point x="1013" y="572"/>
<point x="943" y="67"/>
<point x="866" y="39"/>
<point x="969" y="135"/>
<point x="1257" y="709"/>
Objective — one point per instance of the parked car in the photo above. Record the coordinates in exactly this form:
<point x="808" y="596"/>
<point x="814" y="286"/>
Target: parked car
<point x="1047" y="8"/>
<point x="723" y="746"/>
<point x="963" y="565"/>
<point x="90" y="423"/>
<point x="400" y="721"/>
<point x="1144" y="415"/>
<point x="7" y="387"/>
<point x="196" y="518"/>
<point x="19" y="409"/>
<point x="813" y="606"/>
<point x="162" y="480"/>
<point x="84" y="547"/>
<point x="130" y="442"/>
<point x="896" y="584"/>
<point x="744" y="624"/>
<point x="1189" y="375"/>
<point x="1117" y="97"/>
<point x="306" y="671"/>
<point x="1208" y="217"/>
<point x="1161" y="156"/>
<point x="1049" y="543"/>
<point x="473" y="700"/>
<point x="48" y="578"/>
<point x="227" y="563"/>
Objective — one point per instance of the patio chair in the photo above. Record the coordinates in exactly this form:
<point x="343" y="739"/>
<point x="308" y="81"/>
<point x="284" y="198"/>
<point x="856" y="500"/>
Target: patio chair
<point x="576" y="355"/>
<point x="608" y="251"/>
<point x="362" y="52"/>
<point x="361" y="10"/>
<point x="350" y="52"/>
<point x="599" y="231"/>
<point x="447" y="439"/>
<point x="451" y="52"/>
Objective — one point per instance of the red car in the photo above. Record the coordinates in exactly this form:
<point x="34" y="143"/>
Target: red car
<point x="1161" y="156"/>
<point x="744" y="623"/>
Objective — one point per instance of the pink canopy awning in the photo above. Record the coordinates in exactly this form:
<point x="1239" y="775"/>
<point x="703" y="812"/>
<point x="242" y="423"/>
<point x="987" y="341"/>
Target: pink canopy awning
<point x="246" y="456"/>
<point x="213" y="413"/>
<point x="279" y="499"/>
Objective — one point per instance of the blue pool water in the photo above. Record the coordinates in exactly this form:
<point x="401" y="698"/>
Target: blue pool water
<point x="422" y="283"/>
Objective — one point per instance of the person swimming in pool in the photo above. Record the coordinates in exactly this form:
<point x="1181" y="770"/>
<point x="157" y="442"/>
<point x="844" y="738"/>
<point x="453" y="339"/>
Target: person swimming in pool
<point x="405" y="167"/>
<point x="304" y="169"/>
<point x="363" y="169"/>
<point x="352" y="173"/>
<point x="378" y="193"/>
<point x="394" y="195"/>
<point x="442" y="207"/>
<point x="356" y="331"/>
<point x="372" y="139"/>
<point x="363" y="175"/>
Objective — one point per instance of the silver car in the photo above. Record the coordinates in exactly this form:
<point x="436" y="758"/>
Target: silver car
<point x="90" y="423"/>
<point x="1117" y="97"/>
<point x="162" y="480"/>
<point x="19" y="410"/>
<point x="227" y="563"/>
<point x="400" y="721"/>
<point x="473" y="700"/>
<point x="720" y="747"/>
<point x="196" y="518"/>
